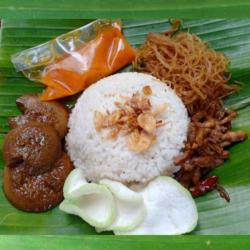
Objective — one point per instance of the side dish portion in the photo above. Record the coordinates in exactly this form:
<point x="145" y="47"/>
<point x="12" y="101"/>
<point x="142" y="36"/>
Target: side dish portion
<point x="161" y="207"/>
<point x="51" y="113"/>
<point x="170" y="209"/>
<point x="35" y="164"/>
<point x="36" y="146"/>
<point x="70" y="63"/>
<point x="199" y="75"/>
<point x="36" y="193"/>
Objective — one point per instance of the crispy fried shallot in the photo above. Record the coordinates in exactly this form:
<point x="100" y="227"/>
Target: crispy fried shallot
<point x="134" y="118"/>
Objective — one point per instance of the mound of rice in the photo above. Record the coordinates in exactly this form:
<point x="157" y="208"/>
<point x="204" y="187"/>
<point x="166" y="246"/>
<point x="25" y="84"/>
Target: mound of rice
<point x="101" y="158"/>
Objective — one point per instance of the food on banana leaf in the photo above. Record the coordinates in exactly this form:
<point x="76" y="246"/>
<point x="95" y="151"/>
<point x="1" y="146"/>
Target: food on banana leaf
<point x="142" y="143"/>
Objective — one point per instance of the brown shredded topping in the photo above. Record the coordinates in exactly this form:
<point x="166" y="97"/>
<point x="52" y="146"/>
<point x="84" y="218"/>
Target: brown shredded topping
<point x="209" y="136"/>
<point x="133" y="118"/>
<point x="199" y="75"/>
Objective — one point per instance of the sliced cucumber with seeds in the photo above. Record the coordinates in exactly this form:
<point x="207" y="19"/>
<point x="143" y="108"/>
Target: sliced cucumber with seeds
<point x="129" y="206"/>
<point x="171" y="209"/>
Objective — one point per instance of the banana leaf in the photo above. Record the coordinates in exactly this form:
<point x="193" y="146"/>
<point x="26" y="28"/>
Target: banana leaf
<point x="124" y="9"/>
<point x="95" y="242"/>
<point x="216" y="216"/>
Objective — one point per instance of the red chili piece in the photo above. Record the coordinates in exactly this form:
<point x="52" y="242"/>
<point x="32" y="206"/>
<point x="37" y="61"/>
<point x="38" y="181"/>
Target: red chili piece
<point x="204" y="186"/>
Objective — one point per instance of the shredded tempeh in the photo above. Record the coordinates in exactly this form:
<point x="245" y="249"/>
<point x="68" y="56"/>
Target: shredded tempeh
<point x="199" y="75"/>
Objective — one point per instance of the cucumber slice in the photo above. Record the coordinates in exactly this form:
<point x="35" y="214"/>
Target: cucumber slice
<point x="74" y="180"/>
<point x="129" y="206"/>
<point x="171" y="209"/>
<point x="94" y="203"/>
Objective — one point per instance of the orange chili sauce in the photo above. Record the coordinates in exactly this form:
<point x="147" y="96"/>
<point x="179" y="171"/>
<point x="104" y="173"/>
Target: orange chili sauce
<point x="100" y="57"/>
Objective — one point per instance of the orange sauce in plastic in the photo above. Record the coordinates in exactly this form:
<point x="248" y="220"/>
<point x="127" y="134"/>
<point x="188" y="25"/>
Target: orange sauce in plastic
<point x="108" y="52"/>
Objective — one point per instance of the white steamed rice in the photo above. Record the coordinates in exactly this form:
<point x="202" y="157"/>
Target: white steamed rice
<point x="100" y="158"/>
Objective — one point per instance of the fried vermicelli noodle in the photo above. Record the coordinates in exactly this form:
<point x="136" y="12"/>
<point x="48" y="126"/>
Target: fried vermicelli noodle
<point x="197" y="73"/>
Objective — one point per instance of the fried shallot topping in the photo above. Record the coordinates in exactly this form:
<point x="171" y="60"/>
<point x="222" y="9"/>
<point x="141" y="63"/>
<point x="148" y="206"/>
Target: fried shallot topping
<point x="134" y="118"/>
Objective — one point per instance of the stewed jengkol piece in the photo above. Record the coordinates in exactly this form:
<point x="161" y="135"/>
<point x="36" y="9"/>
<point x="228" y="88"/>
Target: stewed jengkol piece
<point x="52" y="113"/>
<point x="35" y="164"/>
<point x="36" y="193"/>
<point x="35" y="145"/>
